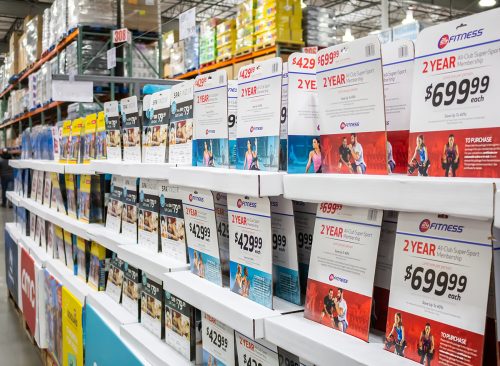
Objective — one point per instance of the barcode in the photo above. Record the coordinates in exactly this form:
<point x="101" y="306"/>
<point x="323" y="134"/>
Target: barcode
<point x="370" y="50"/>
<point x="275" y="68"/>
<point x="403" y="51"/>
<point x="391" y="214"/>
<point x="372" y="215"/>
<point x="221" y="79"/>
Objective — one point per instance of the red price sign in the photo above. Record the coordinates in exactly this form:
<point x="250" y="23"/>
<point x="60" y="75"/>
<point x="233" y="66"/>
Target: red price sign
<point x="121" y="35"/>
<point x="308" y="62"/>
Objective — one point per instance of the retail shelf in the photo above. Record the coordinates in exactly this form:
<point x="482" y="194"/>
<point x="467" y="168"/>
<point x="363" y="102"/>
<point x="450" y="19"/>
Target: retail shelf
<point x="151" y="348"/>
<point x="136" y="170"/>
<point x="242" y="314"/>
<point x="31" y="113"/>
<point x="78" y="169"/>
<point x="114" y="313"/>
<point x="13" y="231"/>
<point x="37" y="252"/>
<point x="108" y="238"/>
<point x="466" y="197"/>
<point x="324" y="346"/>
<point x="74" y="284"/>
<point x="156" y="264"/>
<point x="244" y="182"/>
<point x="13" y="197"/>
<point x="44" y="165"/>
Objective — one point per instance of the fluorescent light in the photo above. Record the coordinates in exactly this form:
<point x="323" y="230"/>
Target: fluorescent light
<point x="409" y="17"/>
<point x="348" y="37"/>
<point x="487" y="3"/>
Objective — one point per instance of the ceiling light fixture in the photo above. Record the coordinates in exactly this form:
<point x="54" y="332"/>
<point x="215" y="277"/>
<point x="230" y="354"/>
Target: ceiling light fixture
<point x="487" y="3"/>
<point x="347" y="37"/>
<point x="409" y="17"/>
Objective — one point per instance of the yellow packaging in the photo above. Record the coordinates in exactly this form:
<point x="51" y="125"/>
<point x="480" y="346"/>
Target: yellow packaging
<point x="244" y="32"/>
<point x="69" y="179"/>
<point x="68" y="250"/>
<point x="246" y="6"/>
<point x="75" y="156"/>
<point x="97" y="273"/>
<point x="226" y="26"/>
<point x="72" y="329"/>
<point x="84" y="198"/>
<point x="65" y="141"/>
<point x="264" y="25"/>
<point x="226" y="39"/>
<point x="81" y="258"/>
<point x="225" y="52"/>
<point x="89" y="138"/>
<point x="243" y="44"/>
<point x="244" y="18"/>
<point x="100" y="145"/>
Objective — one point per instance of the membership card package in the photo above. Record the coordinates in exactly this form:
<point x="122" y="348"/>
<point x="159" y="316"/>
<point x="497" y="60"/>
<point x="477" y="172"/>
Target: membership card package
<point x="89" y="137"/>
<point x="131" y="299"/>
<point x="149" y="211"/>
<point x="113" y="131"/>
<point x="75" y="144"/>
<point x="351" y="108"/>
<point x="156" y="108"/>
<point x="180" y="135"/>
<point x="129" y="213"/>
<point x="152" y="305"/>
<point x="90" y="199"/>
<point x="115" y="204"/>
<point x="114" y="284"/>
<point x="172" y="226"/>
<point x="131" y="127"/>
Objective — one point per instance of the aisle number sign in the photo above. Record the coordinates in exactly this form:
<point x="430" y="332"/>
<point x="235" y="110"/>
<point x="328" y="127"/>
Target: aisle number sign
<point x="72" y="329"/>
<point x="122" y="35"/>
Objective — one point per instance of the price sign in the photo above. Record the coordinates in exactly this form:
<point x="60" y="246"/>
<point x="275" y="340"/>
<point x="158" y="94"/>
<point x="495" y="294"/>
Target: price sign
<point x="252" y="353"/>
<point x="218" y="341"/>
<point x="156" y="109"/>
<point x="131" y="123"/>
<point x="180" y="146"/>
<point x="172" y="225"/>
<point x="454" y="103"/>
<point x="111" y="57"/>
<point x="187" y="24"/>
<point x="232" y="111"/>
<point x="283" y="153"/>
<point x="201" y="234"/>
<point x="249" y="248"/>
<point x="122" y="35"/>
<point x="440" y="264"/>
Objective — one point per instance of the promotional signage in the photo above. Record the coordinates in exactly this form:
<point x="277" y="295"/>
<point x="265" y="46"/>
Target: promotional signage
<point x="250" y="251"/>
<point x="232" y="111"/>
<point x="149" y="210"/>
<point x="129" y="213"/>
<point x="172" y="225"/>
<point x="201" y="232"/>
<point x="115" y="204"/>
<point x="397" y="59"/>
<point x="155" y="130"/>
<point x="180" y="135"/>
<point x="283" y="154"/>
<point x="342" y="269"/>
<point x="218" y="342"/>
<point x="152" y="304"/>
<point x="131" y="127"/>
<point x="113" y="131"/>
<point x="454" y="115"/>
<point x="304" y="150"/>
<point x="28" y="290"/>
<point x="285" y="258"/>
<point x="11" y="262"/>
<point x="187" y="24"/>
<point x="439" y="289"/>
<point x="251" y="352"/>
<point x="259" y="111"/>
<point x="211" y="116"/>
<point x="72" y="330"/>
<point x="102" y="345"/>
<point x="351" y="108"/>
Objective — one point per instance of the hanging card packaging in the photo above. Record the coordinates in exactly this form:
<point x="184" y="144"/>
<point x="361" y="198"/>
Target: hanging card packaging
<point x="383" y="270"/>
<point x="454" y="127"/>
<point x="34" y="184"/>
<point x="43" y="233"/>
<point x="90" y="199"/>
<point x="250" y="250"/>
<point x="59" y="241"/>
<point x="113" y="131"/>
<point x="69" y="250"/>
<point x="259" y="111"/>
<point x="89" y="137"/>
<point x="342" y="269"/>
<point x="115" y="204"/>
<point x="82" y="248"/>
<point x="439" y="288"/>
<point x="57" y="201"/>
<point x="218" y="342"/>
<point x="71" y="195"/>
<point x="37" y="230"/>
<point x="97" y="267"/>
<point x="156" y="108"/>
<point x="211" y="119"/>
<point x="131" y="289"/>
<point x="39" y="187"/>
<point x="129" y="213"/>
<point x="286" y="282"/>
<point x="221" y="218"/>
<point x="75" y="155"/>
<point x="47" y="188"/>
<point x="232" y="111"/>
<point x="32" y="226"/>
<point x="201" y="234"/>
<point x="172" y="226"/>
<point x="180" y="135"/>
<point x="251" y="352"/>
<point x="149" y="210"/>
<point x="152" y="317"/>
<point x="100" y="143"/>
<point x="131" y="127"/>
<point x="351" y="108"/>
<point x="51" y="240"/>
<point x="182" y="321"/>
<point x="397" y="59"/>
<point x="304" y="150"/>
<point x="114" y="284"/>
<point x="65" y="141"/>
<point x="283" y="153"/>
<point x="305" y="216"/>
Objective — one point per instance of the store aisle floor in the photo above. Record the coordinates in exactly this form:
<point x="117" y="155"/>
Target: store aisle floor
<point x="15" y="348"/>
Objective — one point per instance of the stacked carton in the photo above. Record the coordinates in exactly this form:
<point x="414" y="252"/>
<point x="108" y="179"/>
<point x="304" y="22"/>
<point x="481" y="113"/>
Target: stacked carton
<point x="319" y="26"/>
<point x="208" y="49"/>
<point x="245" y="27"/>
<point x="226" y="39"/>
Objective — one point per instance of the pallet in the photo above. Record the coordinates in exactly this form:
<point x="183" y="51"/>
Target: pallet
<point x="206" y="64"/>
<point x="243" y="52"/>
<point x="224" y="58"/>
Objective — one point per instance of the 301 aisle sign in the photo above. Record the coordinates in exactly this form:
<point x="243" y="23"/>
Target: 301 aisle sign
<point x="122" y="35"/>
<point x="439" y="288"/>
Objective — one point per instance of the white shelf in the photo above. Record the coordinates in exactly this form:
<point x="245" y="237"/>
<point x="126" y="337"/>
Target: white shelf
<point x="13" y="230"/>
<point x="74" y="284"/>
<point x="466" y="197"/>
<point x="244" y="182"/>
<point x="78" y="169"/>
<point x="44" y="165"/>
<point x="114" y="314"/>
<point x="38" y="253"/>
<point x="107" y="238"/>
<point x="241" y="314"/>
<point x="155" y="264"/>
<point x="150" y="347"/>
<point x="324" y="346"/>
<point x="13" y="197"/>
<point x="135" y="170"/>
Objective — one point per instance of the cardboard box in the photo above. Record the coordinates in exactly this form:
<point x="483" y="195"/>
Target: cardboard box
<point x="264" y="58"/>
<point x="141" y="15"/>
<point x="14" y="53"/>
<point x="237" y="66"/>
<point x="229" y="71"/>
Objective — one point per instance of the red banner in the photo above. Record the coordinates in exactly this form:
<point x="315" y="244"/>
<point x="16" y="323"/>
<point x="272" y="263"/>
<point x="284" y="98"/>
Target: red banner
<point x="28" y="289"/>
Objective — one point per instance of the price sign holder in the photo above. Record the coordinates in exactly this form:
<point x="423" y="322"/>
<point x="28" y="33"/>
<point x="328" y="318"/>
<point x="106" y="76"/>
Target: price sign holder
<point x="439" y="287"/>
<point x="251" y="352"/>
<point x="304" y="150"/>
<point x="351" y="108"/>
<point x="221" y="217"/>
<point x="454" y="115"/>
<point x="210" y="114"/>
<point x="201" y="234"/>
<point x="217" y="340"/>
<point x="342" y="268"/>
<point x="180" y="143"/>
<point x="283" y="152"/>
<point x="155" y="129"/>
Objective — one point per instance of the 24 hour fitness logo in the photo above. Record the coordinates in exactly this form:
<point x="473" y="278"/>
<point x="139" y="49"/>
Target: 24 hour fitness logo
<point x="207" y="131"/>
<point x="192" y="198"/>
<point x="240" y="203"/>
<point x="447" y="39"/>
<point x="426" y="225"/>
<point x="337" y="278"/>
<point x="348" y="124"/>
<point x="256" y="128"/>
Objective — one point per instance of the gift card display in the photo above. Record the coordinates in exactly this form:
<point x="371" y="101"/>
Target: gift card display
<point x="149" y="211"/>
<point x="113" y="131"/>
<point x="152" y="305"/>
<point x="180" y="134"/>
<point x="115" y="204"/>
<point x="131" y="129"/>
<point x="172" y="224"/>
<point x="114" y="284"/>
<point x="156" y="108"/>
